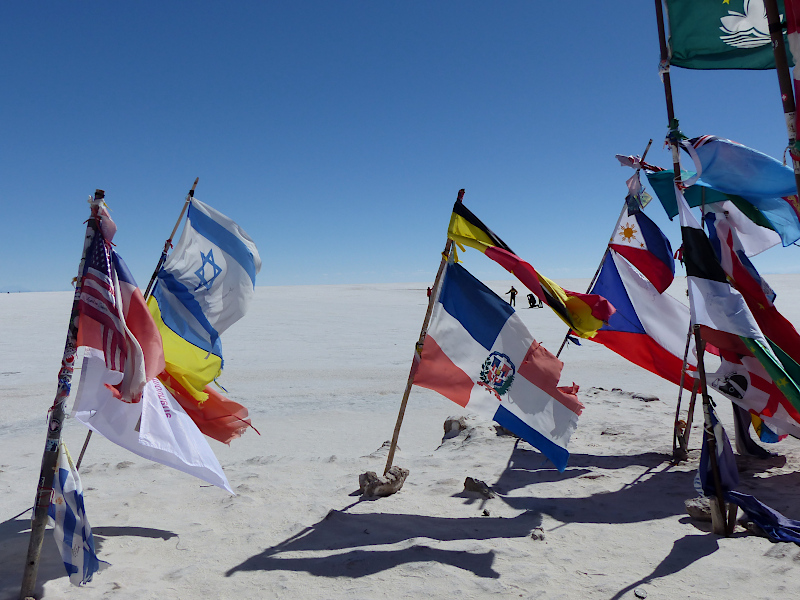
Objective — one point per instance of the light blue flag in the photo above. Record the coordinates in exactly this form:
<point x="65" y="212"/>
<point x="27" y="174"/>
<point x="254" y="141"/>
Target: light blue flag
<point x="71" y="528"/>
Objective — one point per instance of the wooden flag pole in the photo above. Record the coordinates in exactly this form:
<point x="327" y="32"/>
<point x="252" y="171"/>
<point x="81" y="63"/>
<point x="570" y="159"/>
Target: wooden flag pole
<point x="55" y="422"/>
<point x="418" y="348"/>
<point x="675" y="435"/>
<point x="168" y="243"/>
<point x="664" y="68"/>
<point x="784" y="79"/>
<point x="167" y="246"/>
<point x="602" y="260"/>
<point x="721" y="523"/>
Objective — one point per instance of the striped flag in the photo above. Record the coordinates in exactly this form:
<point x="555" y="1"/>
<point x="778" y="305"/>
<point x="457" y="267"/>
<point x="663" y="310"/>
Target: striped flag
<point x="71" y="528"/>
<point x="100" y="324"/>
<point x="114" y="319"/>
<point x="205" y="286"/>
<point x="480" y="355"/>
<point x="583" y="313"/>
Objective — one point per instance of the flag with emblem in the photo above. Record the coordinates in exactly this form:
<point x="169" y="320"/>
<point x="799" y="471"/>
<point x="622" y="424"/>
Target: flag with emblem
<point x="640" y="240"/>
<point x="480" y="355"/>
<point x="205" y="286"/>
<point x="720" y="34"/>
<point x="71" y="528"/>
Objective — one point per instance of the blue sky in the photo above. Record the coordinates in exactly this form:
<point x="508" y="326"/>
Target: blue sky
<point x="338" y="133"/>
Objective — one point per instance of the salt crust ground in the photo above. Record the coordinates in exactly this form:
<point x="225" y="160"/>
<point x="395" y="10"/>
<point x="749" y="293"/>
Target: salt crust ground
<point x="322" y="370"/>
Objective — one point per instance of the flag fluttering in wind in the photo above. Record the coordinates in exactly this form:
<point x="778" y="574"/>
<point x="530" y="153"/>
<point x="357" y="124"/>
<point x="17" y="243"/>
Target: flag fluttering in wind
<point x="584" y="313"/>
<point x="716" y="34"/>
<point x="742" y="378"/>
<point x="722" y="313"/>
<point x="115" y="320"/>
<point x="205" y="286"/>
<point x="649" y="328"/>
<point x="71" y="528"/>
<point x="640" y="240"/>
<point x="157" y="428"/>
<point x="480" y="355"/>
<point x="777" y="527"/>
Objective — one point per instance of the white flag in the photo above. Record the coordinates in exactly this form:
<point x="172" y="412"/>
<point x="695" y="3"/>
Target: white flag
<point x="166" y="435"/>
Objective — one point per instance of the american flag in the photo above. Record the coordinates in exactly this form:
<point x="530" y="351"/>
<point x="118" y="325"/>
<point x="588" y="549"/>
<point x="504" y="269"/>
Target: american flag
<point x="101" y="325"/>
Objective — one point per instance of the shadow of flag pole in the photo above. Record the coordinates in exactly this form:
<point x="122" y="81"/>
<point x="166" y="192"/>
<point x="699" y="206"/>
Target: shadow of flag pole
<point x="55" y="422"/>
<point x="418" y="348"/>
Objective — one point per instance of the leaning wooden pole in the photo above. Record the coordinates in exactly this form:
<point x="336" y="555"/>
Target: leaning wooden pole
<point x="418" y="348"/>
<point x="603" y="259"/>
<point x="784" y="79"/>
<point x="55" y="422"/>
<point x="161" y="261"/>
<point x="168" y="243"/>
<point x="709" y="432"/>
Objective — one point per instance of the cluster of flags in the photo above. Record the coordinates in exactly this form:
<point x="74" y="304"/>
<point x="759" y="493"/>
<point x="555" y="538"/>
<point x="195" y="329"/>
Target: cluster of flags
<point x="147" y="366"/>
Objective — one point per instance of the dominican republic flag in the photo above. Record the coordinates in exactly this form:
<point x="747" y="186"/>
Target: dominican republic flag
<point x="71" y="528"/>
<point x="640" y="240"/>
<point x="649" y="329"/>
<point x="480" y="355"/>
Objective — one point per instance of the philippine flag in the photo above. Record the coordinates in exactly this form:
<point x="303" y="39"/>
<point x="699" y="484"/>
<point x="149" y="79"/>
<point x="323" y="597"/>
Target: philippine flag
<point x="480" y="355"/>
<point x="640" y="240"/>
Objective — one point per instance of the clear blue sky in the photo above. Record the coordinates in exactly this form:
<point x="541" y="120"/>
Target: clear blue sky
<point x="338" y="133"/>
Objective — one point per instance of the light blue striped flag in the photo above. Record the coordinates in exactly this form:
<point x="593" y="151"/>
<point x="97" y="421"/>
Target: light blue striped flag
<point x="71" y="528"/>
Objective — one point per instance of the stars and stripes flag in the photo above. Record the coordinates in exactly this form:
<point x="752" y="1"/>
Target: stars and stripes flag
<point x="114" y="318"/>
<point x="71" y="528"/>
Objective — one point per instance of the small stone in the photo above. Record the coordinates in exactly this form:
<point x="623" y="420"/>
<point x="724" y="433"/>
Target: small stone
<point x="537" y="534"/>
<point x="640" y="593"/>
<point x="453" y="426"/>
<point x="699" y="508"/>
<point x="476" y="485"/>
<point x="486" y="512"/>
<point x="646" y="397"/>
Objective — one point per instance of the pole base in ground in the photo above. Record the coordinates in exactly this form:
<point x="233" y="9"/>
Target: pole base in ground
<point x="371" y="485"/>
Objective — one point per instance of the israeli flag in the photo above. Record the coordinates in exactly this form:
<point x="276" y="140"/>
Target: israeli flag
<point x="71" y="529"/>
<point x="207" y="282"/>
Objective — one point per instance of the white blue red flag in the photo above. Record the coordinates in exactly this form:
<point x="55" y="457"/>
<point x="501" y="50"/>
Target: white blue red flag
<point x="640" y="240"/>
<point x="71" y="528"/>
<point x="649" y="329"/>
<point x="480" y="355"/>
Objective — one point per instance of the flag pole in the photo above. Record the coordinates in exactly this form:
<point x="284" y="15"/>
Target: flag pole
<point x="710" y="439"/>
<point x="167" y="246"/>
<point x="784" y="80"/>
<point x="664" y="69"/>
<point x="56" y="420"/>
<point x="677" y="438"/>
<point x="603" y="260"/>
<point x="168" y="243"/>
<point x="418" y="348"/>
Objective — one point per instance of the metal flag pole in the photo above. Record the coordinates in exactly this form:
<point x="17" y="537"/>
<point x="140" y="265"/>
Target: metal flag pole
<point x="167" y="246"/>
<point x="55" y="421"/>
<point x="418" y="348"/>
<point x="784" y="79"/>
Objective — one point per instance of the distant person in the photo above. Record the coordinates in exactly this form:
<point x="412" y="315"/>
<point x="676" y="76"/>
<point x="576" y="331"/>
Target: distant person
<point x="429" y="292"/>
<point x="513" y="300"/>
<point x="534" y="302"/>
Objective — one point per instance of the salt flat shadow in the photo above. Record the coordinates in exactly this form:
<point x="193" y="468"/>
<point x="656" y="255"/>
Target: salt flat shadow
<point x="657" y="493"/>
<point x="14" y="540"/>
<point x="685" y="551"/>
<point x="341" y="530"/>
